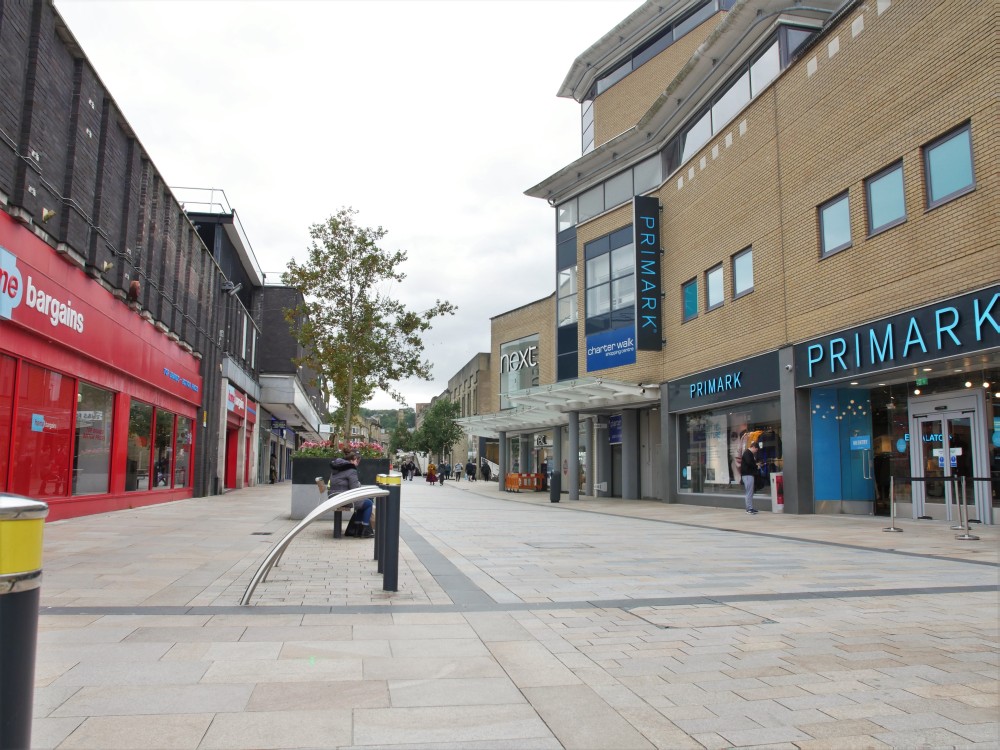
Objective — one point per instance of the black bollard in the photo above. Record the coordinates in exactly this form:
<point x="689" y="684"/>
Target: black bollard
<point x="379" y="530"/>
<point x="21" y="524"/>
<point x="389" y="560"/>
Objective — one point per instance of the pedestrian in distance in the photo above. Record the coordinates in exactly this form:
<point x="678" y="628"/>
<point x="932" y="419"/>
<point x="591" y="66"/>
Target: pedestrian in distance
<point x="445" y="470"/>
<point x="345" y="477"/>
<point x="274" y="468"/>
<point x="470" y="471"/>
<point x="458" y="472"/>
<point x="748" y="473"/>
<point x="431" y="476"/>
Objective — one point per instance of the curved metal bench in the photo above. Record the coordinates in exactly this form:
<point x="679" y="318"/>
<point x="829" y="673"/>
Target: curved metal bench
<point x="368" y="490"/>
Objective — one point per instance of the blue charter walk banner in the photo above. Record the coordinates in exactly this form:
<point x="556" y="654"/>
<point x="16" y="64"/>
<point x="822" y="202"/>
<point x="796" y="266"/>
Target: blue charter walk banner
<point x="612" y="348"/>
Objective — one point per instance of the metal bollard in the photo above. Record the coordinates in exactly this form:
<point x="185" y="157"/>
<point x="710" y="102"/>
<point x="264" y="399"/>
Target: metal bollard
<point x="892" y="506"/>
<point x="379" y="530"/>
<point x="21" y="524"/>
<point x="389" y="559"/>
<point x="963" y="515"/>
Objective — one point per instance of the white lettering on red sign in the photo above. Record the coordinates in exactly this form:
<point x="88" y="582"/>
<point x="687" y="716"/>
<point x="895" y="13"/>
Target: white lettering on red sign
<point x="58" y="312"/>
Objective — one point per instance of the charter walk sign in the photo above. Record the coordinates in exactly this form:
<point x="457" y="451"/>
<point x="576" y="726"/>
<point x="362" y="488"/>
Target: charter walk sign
<point x="648" y="292"/>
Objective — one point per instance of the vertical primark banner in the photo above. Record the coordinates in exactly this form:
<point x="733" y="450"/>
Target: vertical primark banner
<point x="648" y="284"/>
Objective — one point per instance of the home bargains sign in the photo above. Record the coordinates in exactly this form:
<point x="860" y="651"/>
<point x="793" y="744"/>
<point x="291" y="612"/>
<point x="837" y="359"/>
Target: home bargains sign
<point x="56" y="300"/>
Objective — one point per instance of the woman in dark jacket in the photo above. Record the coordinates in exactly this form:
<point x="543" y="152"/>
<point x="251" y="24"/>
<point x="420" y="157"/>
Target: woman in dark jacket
<point x="345" y="477"/>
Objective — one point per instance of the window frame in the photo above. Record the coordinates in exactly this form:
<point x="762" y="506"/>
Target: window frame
<point x="684" y="287"/>
<point x="708" y="289"/>
<point x="735" y="257"/>
<point x="965" y="127"/>
<point x="825" y="252"/>
<point x="869" y="181"/>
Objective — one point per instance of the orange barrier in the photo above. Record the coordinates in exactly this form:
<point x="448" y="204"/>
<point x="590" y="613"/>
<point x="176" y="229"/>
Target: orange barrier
<point x="518" y="482"/>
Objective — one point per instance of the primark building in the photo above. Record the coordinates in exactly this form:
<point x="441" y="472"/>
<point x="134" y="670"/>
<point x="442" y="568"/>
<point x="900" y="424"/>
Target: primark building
<point x="781" y="230"/>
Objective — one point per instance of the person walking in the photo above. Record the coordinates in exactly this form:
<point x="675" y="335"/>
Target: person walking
<point x="458" y="472"/>
<point x="431" y="476"/>
<point x="748" y="473"/>
<point x="444" y="472"/>
<point x="274" y="468"/>
<point x="470" y="471"/>
<point x="345" y="477"/>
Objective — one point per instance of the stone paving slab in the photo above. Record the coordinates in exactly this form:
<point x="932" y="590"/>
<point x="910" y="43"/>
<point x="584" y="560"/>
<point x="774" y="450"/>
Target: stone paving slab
<point x="518" y="624"/>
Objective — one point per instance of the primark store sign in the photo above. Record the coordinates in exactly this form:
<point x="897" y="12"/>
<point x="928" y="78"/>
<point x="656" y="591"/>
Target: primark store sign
<point x="961" y="325"/>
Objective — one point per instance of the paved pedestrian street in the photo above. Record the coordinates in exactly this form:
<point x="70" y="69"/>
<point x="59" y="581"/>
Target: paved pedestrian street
<point x="518" y="623"/>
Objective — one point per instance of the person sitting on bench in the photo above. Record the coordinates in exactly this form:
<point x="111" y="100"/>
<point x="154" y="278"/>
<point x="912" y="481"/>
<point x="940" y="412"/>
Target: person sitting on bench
<point x="345" y="477"/>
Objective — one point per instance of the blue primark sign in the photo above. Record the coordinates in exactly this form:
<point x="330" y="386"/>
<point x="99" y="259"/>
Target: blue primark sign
<point x="955" y="327"/>
<point x="648" y="285"/>
<point x="750" y="377"/>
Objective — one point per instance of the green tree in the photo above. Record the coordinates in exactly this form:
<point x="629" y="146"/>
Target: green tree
<point x="401" y="439"/>
<point x="438" y="432"/>
<point x="353" y="331"/>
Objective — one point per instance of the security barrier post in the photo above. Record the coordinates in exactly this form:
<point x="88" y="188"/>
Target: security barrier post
<point x="21" y="524"/>
<point x="389" y="562"/>
<point x="892" y="506"/>
<point x="963" y="515"/>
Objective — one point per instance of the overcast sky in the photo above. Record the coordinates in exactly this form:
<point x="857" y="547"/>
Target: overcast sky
<point x="429" y="118"/>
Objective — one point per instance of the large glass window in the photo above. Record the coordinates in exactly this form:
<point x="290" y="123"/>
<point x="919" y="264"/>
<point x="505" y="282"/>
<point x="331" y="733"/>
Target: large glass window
<point x="731" y="102"/>
<point x="886" y="202"/>
<point x="92" y="448"/>
<point x="8" y="369"/>
<point x="765" y="69"/>
<point x="610" y="281"/>
<point x="140" y="433"/>
<point x="743" y="272"/>
<point x="948" y="167"/>
<point x="43" y="438"/>
<point x="518" y="366"/>
<point x="835" y="225"/>
<point x="592" y="202"/>
<point x="714" y="288"/>
<point x="163" y="449"/>
<point x="697" y="136"/>
<point x="712" y="442"/>
<point x="689" y="295"/>
<point x="566" y="283"/>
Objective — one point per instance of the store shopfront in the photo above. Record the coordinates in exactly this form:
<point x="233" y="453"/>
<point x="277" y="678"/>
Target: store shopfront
<point x="910" y="396"/>
<point x="712" y="417"/>
<point x="97" y="406"/>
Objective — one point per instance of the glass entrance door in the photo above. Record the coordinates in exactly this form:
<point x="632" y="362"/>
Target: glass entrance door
<point x="945" y="451"/>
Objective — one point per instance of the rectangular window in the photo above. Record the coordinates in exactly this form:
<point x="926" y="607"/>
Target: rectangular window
<point x="164" y="449"/>
<point x="743" y="273"/>
<point x="714" y="288"/>
<point x="42" y="435"/>
<point x="647" y="175"/>
<point x="140" y="434"/>
<point x="689" y="295"/>
<point x="591" y="203"/>
<point x="765" y="69"/>
<point x="834" y="225"/>
<point x="92" y="448"/>
<point x="618" y="189"/>
<point x="185" y="443"/>
<point x="697" y="136"/>
<point x="886" y="202"/>
<point x="731" y="102"/>
<point x="948" y="167"/>
<point x="8" y="369"/>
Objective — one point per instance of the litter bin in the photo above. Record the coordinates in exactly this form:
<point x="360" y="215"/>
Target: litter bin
<point x="555" y="487"/>
<point x="21" y="524"/>
<point x="778" y="492"/>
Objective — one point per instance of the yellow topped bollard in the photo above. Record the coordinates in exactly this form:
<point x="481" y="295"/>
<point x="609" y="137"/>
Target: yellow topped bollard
<point x="387" y="529"/>
<point x="21" y="525"/>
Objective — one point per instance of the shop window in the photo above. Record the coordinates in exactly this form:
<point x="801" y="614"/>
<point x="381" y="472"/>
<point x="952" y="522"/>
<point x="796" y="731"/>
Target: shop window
<point x="834" y="225"/>
<point x="8" y="369"/>
<point x="43" y="435"/>
<point x="163" y="450"/>
<point x="886" y="202"/>
<point x="92" y="447"/>
<point x="743" y="272"/>
<point x="712" y="442"/>
<point x="140" y="433"/>
<point x="714" y="288"/>
<point x="948" y="167"/>
<point x="689" y="295"/>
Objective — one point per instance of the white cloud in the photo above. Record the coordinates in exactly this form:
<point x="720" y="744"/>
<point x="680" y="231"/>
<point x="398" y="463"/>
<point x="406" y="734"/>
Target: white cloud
<point x="430" y="118"/>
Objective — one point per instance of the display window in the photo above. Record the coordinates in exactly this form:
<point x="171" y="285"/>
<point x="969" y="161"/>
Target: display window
<point x="163" y="450"/>
<point x="182" y="462"/>
<point x="8" y="369"/>
<point x="140" y="431"/>
<point x="43" y="433"/>
<point x="712" y="442"/>
<point x="92" y="444"/>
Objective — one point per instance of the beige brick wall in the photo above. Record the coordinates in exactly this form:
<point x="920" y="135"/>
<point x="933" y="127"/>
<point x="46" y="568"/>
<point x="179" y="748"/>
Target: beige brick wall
<point x="913" y="73"/>
<point x="623" y="105"/>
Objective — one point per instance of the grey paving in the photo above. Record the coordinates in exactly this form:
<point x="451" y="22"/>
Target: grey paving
<point x="518" y="623"/>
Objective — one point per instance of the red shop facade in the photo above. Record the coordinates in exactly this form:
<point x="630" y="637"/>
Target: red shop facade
<point x="97" y="406"/>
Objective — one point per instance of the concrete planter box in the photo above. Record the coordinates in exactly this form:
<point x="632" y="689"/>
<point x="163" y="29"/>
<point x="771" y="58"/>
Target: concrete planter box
<point x="305" y="495"/>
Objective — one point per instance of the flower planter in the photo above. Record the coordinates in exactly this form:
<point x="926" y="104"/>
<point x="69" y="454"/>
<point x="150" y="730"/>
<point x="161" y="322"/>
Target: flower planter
<point x="305" y="494"/>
